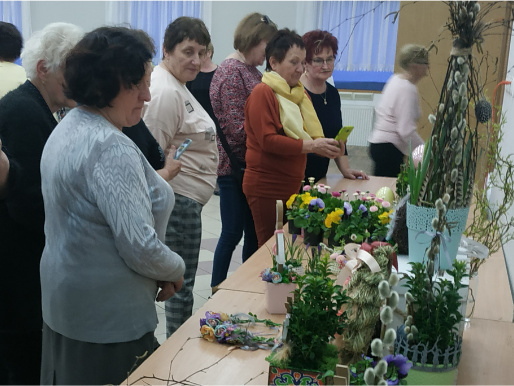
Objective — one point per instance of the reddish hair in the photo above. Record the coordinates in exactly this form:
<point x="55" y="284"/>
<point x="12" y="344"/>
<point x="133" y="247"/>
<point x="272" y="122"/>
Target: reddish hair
<point x="316" y="40"/>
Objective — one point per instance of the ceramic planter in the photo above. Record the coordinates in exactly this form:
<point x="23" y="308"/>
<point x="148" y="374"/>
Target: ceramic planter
<point x="278" y="376"/>
<point x="276" y="296"/>
<point x="419" y="224"/>
<point x="430" y="366"/>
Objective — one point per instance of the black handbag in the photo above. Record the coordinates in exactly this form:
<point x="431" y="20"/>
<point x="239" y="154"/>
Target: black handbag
<point x="237" y="170"/>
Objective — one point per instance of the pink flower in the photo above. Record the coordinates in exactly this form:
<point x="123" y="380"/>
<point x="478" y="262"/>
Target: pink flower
<point x="343" y="191"/>
<point x="379" y="200"/>
<point x="322" y="190"/>
<point x="358" y="191"/>
<point x="364" y="198"/>
<point x="386" y="204"/>
<point x="321" y="186"/>
<point x="373" y="208"/>
<point x="306" y="188"/>
<point x="334" y="255"/>
<point x="336" y="194"/>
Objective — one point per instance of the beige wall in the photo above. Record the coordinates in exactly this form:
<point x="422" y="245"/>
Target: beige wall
<point x="423" y="23"/>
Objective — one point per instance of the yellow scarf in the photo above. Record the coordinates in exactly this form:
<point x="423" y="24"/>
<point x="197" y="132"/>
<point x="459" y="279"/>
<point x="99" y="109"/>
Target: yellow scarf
<point x="297" y="113"/>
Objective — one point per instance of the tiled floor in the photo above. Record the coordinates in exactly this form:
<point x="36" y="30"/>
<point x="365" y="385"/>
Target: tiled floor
<point x="211" y="229"/>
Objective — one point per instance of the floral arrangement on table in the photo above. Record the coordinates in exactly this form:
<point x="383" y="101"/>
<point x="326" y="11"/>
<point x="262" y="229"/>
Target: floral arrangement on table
<point x="314" y="317"/>
<point x="317" y="210"/>
<point x="364" y="303"/>
<point x="234" y="329"/>
<point x="365" y="217"/>
<point x="398" y="368"/>
<point x="452" y="152"/>
<point x="433" y="304"/>
<point x="294" y="254"/>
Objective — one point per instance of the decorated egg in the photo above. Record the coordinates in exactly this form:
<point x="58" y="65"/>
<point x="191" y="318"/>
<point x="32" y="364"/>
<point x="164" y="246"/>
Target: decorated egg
<point x="417" y="155"/>
<point x="386" y="194"/>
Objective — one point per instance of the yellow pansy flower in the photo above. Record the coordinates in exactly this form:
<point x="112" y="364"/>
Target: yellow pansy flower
<point x="289" y="202"/>
<point x="384" y="217"/>
<point x="333" y="217"/>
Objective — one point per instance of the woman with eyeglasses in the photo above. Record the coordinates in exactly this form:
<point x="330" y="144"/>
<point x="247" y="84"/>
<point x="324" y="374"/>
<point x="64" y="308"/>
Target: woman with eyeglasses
<point x="232" y="83"/>
<point x="281" y="127"/>
<point x="321" y="51"/>
<point x="398" y="112"/>
<point x="174" y="115"/>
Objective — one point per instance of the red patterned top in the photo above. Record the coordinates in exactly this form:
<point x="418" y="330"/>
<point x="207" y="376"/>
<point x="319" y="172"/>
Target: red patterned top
<point x="231" y="85"/>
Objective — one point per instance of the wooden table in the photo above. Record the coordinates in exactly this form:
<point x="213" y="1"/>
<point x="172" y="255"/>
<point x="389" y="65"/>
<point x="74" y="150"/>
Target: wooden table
<point x="186" y="357"/>
<point x="488" y="343"/>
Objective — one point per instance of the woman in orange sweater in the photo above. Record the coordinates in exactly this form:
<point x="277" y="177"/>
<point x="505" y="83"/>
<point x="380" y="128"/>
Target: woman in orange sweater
<point x="281" y="127"/>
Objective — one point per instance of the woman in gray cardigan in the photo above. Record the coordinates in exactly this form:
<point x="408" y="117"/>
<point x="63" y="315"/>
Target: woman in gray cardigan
<point x="106" y="213"/>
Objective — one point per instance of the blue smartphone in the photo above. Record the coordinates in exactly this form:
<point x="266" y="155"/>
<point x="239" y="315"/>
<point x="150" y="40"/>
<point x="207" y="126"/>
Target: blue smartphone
<point x="182" y="148"/>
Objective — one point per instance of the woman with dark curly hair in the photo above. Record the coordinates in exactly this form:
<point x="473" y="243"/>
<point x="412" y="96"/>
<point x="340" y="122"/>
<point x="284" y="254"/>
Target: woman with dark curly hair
<point x="106" y="213"/>
<point x="321" y="47"/>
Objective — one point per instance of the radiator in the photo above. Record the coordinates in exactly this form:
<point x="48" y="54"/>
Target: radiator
<point x="361" y="117"/>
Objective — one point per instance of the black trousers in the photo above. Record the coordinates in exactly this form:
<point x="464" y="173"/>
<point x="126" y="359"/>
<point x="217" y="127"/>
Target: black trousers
<point x="387" y="159"/>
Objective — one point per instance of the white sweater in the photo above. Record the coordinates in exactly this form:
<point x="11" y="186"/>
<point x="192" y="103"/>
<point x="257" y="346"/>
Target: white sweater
<point x="397" y="115"/>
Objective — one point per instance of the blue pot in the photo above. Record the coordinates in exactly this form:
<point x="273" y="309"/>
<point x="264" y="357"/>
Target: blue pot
<point x="419" y="221"/>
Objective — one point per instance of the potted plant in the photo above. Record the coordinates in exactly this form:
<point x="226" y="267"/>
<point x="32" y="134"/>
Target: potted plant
<point x="313" y="318"/>
<point x="451" y="154"/>
<point x="365" y="217"/>
<point x="430" y="337"/>
<point x="281" y="278"/>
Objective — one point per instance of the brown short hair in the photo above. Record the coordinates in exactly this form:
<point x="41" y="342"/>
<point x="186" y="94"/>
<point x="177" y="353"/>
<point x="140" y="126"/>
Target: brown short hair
<point x="185" y="27"/>
<point x="251" y="30"/>
<point x="316" y="40"/>
<point x="280" y="44"/>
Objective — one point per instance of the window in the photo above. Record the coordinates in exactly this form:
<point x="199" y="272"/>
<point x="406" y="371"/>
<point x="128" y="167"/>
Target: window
<point x="367" y="40"/>
<point x="152" y="17"/>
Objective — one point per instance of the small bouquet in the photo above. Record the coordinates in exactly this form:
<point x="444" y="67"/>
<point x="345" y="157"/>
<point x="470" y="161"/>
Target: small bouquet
<point x="234" y="329"/>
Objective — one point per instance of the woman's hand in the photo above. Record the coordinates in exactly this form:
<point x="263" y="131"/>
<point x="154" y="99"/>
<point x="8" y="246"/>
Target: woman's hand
<point x="171" y="166"/>
<point x="168" y="289"/>
<point x="354" y="174"/>
<point x="326" y="147"/>
<point x="4" y="170"/>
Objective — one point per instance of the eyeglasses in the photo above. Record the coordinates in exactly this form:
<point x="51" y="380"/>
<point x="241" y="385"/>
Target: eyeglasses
<point x="265" y="19"/>
<point x="318" y="62"/>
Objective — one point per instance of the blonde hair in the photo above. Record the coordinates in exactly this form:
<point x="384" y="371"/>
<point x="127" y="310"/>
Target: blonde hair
<point x="412" y="53"/>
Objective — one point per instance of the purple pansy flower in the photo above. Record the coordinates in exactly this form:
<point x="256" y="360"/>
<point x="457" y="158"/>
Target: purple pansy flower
<point x="347" y="207"/>
<point x="316" y="202"/>
<point x="363" y="209"/>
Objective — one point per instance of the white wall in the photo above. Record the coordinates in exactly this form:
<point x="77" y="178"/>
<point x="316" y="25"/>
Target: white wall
<point x="86" y="14"/>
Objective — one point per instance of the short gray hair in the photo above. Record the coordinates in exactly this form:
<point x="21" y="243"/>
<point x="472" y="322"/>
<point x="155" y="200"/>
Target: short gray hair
<point x="51" y="44"/>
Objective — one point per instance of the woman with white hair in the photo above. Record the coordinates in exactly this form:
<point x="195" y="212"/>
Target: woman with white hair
<point x="398" y="113"/>
<point x="26" y="121"/>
